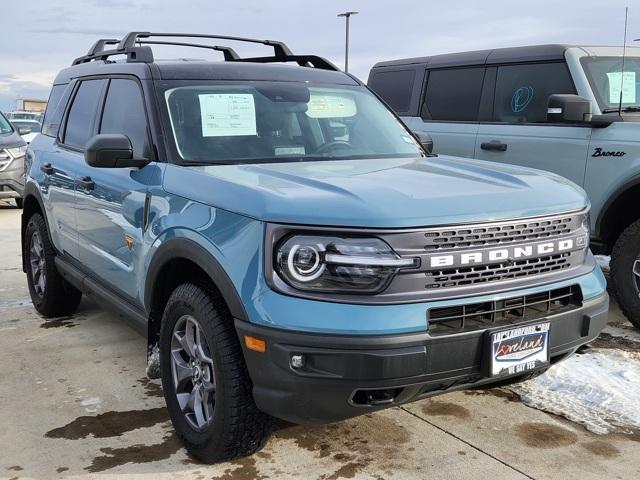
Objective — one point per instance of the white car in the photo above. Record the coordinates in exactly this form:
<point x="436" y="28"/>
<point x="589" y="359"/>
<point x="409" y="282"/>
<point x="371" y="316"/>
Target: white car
<point x="28" y="129"/>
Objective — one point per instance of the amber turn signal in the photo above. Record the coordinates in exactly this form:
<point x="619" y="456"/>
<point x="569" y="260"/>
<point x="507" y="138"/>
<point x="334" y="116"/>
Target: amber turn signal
<point x="255" y="344"/>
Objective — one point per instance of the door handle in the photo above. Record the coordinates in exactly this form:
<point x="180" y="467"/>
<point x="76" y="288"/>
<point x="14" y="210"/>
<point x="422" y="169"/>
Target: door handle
<point x="47" y="169"/>
<point x="86" y="183"/>
<point x="494" y="145"/>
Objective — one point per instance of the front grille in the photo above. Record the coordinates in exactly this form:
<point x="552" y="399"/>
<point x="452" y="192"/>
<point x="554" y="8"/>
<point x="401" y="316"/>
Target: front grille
<point x="493" y="273"/>
<point x="478" y="316"/>
<point x="497" y="234"/>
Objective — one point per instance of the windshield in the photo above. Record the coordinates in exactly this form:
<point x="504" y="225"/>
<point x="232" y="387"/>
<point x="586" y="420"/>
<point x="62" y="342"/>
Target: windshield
<point x="33" y="127"/>
<point x="282" y="121"/>
<point x="608" y="82"/>
<point x="5" y="126"/>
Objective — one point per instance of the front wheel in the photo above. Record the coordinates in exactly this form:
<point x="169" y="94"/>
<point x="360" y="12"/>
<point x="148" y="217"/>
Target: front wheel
<point x="205" y="380"/>
<point x="625" y="272"/>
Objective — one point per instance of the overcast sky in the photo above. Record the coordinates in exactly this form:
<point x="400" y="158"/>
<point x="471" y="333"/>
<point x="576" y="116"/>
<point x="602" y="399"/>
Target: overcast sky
<point x="39" y="37"/>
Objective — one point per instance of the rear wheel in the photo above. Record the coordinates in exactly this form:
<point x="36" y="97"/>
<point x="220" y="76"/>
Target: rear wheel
<point x="625" y="272"/>
<point x="51" y="295"/>
<point x="205" y="380"/>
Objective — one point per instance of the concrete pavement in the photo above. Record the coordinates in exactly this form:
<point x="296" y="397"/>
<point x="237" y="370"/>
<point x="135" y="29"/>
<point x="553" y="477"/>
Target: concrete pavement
<point x="74" y="403"/>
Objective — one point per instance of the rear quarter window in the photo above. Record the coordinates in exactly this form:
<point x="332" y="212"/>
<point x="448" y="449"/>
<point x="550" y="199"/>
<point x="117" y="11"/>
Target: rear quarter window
<point x="58" y="99"/>
<point x="394" y="87"/>
<point x="453" y="95"/>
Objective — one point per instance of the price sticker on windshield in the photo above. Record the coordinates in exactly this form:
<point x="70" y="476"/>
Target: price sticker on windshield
<point x="227" y="114"/>
<point x="622" y="84"/>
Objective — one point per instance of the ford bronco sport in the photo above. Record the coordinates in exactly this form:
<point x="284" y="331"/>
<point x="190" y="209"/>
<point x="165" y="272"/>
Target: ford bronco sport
<point x="288" y="247"/>
<point x="568" y="110"/>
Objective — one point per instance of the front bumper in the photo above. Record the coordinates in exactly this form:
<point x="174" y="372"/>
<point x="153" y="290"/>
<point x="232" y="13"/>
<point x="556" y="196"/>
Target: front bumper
<point x="341" y="370"/>
<point x="12" y="179"/>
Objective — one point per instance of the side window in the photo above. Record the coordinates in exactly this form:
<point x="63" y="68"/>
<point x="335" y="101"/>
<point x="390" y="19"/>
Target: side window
<point x="522" y="91"/>
<point x="55" y="108"/>
<point x="82" y="114"/>
<point x="124" y="113"/>
<point x="453" y="94"/>
<point x="394" y="87"/>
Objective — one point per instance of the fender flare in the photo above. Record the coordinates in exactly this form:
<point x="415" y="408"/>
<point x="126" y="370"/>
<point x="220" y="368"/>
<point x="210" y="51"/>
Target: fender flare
<point x="31" y="189"/>
<point x="605" y="210"/>
<point x="189" y="250"/>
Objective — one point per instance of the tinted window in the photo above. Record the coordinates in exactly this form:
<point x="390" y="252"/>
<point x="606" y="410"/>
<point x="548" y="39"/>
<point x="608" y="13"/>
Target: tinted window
<point x="394" y="88"/>
<point x="124" y="113"/>
<point x="82" y="114"/>
<point x="453" y="94"/>
<point x="55" y="108"/>
<point x="522" y="91"/>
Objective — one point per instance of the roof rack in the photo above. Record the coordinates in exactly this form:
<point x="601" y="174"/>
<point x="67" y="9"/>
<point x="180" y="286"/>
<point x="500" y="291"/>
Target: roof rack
<point x="135" y="45"/>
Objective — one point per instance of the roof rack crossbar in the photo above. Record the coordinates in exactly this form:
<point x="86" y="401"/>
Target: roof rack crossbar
<point x="100" y="44"/>
<point x="135" y="45"/>
<point x="280" y="49"/>
<point x="229" y="53"/>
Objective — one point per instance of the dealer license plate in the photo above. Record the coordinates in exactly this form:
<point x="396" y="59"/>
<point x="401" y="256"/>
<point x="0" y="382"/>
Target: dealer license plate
<point x="520" y="349"/>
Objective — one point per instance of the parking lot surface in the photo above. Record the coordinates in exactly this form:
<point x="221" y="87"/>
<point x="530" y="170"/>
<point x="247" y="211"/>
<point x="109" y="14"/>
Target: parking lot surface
<point x="75" y="403"/>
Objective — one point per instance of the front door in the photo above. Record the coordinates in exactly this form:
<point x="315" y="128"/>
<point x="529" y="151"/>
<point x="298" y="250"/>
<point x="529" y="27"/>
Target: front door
<point x="111" y="201"/>
<point x="519" y="133"/>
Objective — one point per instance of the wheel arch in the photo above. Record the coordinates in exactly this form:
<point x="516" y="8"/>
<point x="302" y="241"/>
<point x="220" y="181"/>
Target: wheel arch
<point x="174" y="262"/>
<point x="614" y="218"/>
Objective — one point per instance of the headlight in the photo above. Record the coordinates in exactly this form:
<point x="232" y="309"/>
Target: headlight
<point x="338" y="264"/>
<point x="586" y="226"/>
<point x="5" y="159"/>
<point x="17" y="151"/>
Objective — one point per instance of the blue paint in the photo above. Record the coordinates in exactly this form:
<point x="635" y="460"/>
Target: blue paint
<point x="521" y="98"/>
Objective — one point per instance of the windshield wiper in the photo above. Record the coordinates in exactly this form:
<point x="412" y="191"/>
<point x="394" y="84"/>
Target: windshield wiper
<point x="623" y="109"/>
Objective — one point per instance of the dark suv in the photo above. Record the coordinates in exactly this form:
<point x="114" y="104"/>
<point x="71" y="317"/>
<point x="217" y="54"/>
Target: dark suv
<point x="288" y="247"/>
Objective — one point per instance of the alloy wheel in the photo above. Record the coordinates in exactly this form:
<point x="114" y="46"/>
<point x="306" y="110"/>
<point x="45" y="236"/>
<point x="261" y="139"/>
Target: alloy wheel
<point x="193" y="374"/>
<point x="37" y="263"/>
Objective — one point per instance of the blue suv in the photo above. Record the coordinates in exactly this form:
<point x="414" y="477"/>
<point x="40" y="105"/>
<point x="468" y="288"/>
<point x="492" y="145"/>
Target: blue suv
<point x="287" y="246"/>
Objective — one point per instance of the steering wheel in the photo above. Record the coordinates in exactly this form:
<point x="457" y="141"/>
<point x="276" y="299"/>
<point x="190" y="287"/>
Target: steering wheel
<point x="327" y="147"/>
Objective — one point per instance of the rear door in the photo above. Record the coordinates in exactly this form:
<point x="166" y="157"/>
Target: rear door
<point x="450" y="109"/>
<point x="111" y="201"/>
<point x="518" y="131"/>
<point x="61" y="164"/>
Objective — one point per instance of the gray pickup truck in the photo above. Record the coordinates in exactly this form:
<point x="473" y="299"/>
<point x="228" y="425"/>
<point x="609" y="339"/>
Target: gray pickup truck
<point x="571" y="110"/>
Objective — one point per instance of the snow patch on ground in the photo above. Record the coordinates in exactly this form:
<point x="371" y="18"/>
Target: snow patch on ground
<point x="603" y="261"/>
<point x="91" y="405"/>
<point x="599" y="389"/>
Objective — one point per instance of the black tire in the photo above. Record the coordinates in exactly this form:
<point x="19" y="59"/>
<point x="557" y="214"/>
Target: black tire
<point x="626" y="285"/>
<point x="19" y="202"/>
<point x="55" y="297"/>
<point x="237" y="428"/>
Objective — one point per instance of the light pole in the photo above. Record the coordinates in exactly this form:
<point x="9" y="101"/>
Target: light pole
<point x="346" y="15"/>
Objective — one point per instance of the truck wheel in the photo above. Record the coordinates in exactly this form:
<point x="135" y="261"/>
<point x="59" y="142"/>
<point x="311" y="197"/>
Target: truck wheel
<point x="19" y="202"/>
<point x="625" y="272"/>
<point x="205" y="380"/>
<point x="51" y="295"/>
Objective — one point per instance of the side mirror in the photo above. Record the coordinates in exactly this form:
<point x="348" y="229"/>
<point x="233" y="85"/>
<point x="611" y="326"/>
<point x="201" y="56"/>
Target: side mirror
<point x="23" y="131"/>
<point x="568" y="109"/>
<point x="426" y="141"/>
<point x="111" y="150"/>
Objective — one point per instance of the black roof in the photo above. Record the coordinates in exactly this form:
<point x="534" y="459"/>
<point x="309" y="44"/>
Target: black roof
<point x="531" y="53"/>
<point x="207" y="70"/>
<point x="135" y="57"/>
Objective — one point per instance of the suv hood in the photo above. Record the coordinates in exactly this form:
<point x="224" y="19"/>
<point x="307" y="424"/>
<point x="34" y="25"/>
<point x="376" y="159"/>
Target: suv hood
<point x="378" y="193"/>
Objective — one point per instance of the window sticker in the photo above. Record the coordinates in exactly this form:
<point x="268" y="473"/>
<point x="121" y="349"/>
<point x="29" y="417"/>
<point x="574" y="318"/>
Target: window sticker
<point x="330" y="106"/>
<point x="521" y="98"/>
<point x="626" y="85"/>
<point x="227" y="114"/>
<point x="289" y="151"/>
